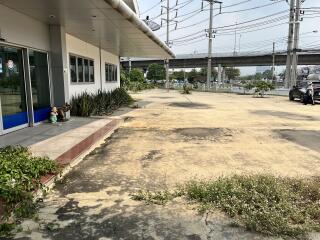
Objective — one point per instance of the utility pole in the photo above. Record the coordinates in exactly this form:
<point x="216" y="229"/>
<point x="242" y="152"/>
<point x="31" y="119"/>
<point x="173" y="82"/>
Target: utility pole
<point x="273" y="60"/>
<point x="239" y="43"/>
<point x="290" y="45"/>
<point x="296" y="44"/>
<point x="235" y="40"/>
<point x="210" y="35"/>
<point x="130" y="65"/>
<point x="168" y="43"/>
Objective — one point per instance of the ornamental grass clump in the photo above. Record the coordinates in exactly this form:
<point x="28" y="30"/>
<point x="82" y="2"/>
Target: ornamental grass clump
<point x="100" y="103"/>
<point x="20" y="175"/>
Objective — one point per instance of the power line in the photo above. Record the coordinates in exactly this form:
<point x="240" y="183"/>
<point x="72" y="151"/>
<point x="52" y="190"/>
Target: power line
<point x="221" y="28"/>
<point x="149" y="9"/>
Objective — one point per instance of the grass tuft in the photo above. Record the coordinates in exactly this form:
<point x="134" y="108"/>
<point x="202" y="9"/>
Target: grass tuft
<point x="158" y="197"/>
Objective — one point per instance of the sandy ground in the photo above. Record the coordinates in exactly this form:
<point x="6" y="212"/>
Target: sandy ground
<point x="170" y="139"/>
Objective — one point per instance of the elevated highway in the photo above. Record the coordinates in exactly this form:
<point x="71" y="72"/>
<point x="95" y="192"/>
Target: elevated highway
<point x="245" y="59"/>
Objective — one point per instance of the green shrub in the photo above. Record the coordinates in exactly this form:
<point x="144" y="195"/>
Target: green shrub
<point x="261" y="87"/>
<point x="186" y="89"/>
<point x="100" y="103"/>
<point x="139" y="86"/>
<point x="136" y="75"/>
<point x="20" y="174"/>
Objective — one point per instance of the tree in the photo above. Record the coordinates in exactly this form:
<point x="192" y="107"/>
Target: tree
<point x="177" y="75"/>
<point x="136" y="75"/>
<point x="124" y="78"/>
<point x="258" y="76"/>
<point x="248" y="86"/>
<point x="156" y="72"/>
<point x="267" y="74"/>
<point x="192" y="75"/>
<point x="232" y="72"/>
<point x="214" y="72"/>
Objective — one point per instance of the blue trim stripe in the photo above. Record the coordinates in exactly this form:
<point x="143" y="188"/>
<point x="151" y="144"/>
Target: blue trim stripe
<point x="41" y="114"/>
<point x="10" y="121"/>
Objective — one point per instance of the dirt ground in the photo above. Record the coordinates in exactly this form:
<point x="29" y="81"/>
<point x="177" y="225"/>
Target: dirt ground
<point x="170" y="139"/>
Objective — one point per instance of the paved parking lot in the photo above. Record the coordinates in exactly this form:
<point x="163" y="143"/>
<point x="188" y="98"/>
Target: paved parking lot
<point x="173" y="138"/>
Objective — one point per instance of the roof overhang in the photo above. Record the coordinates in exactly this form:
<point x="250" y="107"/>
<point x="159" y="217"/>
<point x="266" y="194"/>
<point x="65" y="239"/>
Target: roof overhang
<point x="109" y="24"/>
<point x="133" y="4"/>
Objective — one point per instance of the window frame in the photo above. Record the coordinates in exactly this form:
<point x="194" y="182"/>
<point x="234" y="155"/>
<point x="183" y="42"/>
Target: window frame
<point x="111" y="70"/>
<point x="91" y="71"/>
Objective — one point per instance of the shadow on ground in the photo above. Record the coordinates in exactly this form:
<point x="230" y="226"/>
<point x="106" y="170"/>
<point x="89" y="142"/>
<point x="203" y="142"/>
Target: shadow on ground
<point x="285" y="115"/>
<point x="189" y="105"/>
<point x="309" y="139"/>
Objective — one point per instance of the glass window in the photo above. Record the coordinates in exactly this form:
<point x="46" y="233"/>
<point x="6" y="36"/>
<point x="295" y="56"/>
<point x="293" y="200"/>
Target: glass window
<point x="91" y="71"/>
<point x="111" y="72"/>
<point x="80" y="69"/>
<point x="73" y="69"/>
<point x="115" y="73"/>
<point x="40" y="85"/>
<point x="12" y="88"/>
<point x="86" y="70"/>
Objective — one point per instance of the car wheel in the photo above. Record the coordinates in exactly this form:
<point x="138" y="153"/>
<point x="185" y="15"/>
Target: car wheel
<point x="302" y="98"/>
<point x="291" y="98"/>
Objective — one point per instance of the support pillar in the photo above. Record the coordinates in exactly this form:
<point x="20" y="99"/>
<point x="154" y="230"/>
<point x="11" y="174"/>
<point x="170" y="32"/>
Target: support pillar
<point x="59" y="66"/>
<point x="219" y="74"/>
<point x="223" y="76"/>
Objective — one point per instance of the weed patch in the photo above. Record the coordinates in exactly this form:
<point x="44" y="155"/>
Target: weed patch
<point x="267" y="204"/>
<point x="20" y="175"/>
<point x="158" y="197"/>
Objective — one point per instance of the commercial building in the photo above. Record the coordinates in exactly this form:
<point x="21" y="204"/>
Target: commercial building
<point x="51" y="50"/>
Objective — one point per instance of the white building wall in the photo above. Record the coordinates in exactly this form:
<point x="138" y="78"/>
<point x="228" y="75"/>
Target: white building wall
<point x="19" y="29"/>
<point x="78" y="47"/>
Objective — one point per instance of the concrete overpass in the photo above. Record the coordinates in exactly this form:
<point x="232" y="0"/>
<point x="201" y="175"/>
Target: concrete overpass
<point x="245" y="59"/>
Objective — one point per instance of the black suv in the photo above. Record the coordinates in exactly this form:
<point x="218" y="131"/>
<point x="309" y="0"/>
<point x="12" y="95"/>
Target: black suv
<point x="300" y="91"/>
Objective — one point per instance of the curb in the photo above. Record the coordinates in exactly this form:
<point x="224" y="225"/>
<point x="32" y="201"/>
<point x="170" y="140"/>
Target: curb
<point x="77" y="153"/>
<point x="73" y="157"/>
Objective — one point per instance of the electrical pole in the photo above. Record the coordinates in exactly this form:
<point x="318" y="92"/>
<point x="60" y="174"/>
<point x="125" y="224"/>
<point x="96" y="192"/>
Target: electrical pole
<point x="290" y="45"/>
<point x="235" y="40"/>
<point x="239" y="43"/>
<point x="210" y="35"/>
<point x="130" y="65"/>
<point x="210" y="47"/>
<point x="168" y="43"/>
<point x="296" y="44"/>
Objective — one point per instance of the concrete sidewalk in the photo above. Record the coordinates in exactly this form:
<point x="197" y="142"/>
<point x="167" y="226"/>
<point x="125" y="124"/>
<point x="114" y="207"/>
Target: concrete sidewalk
<point x="62" y="142"/>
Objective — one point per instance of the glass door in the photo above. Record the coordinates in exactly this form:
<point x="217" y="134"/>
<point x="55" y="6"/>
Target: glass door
<point x="40" y="85"/>
<point x="12" y="89"/>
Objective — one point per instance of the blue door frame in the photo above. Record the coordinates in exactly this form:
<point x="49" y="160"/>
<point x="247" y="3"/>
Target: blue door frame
<point x="24" y="113"/>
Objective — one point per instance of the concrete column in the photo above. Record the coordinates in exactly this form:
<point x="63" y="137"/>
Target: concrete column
<point x="223" y="76"/>
<point x="219" y="74"/>
<point x="59" y="66"/>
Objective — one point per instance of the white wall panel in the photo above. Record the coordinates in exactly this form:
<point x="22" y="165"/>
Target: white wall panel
<point x="22" y="30"/>
<point x="78" y="47"/>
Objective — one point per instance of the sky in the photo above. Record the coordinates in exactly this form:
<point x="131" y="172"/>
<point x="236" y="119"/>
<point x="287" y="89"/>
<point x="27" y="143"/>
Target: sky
<point x="190" y="35"/>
